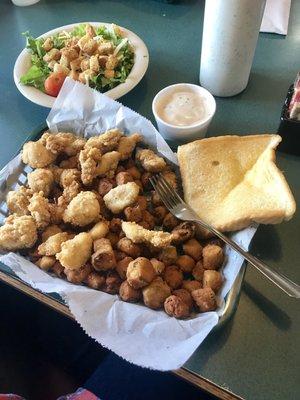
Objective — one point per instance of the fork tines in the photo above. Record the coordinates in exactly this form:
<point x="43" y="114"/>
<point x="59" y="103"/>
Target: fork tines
<point x="165" y="191"/>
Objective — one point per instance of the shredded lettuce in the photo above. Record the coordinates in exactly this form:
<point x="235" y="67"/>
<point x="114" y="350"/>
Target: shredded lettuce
<point x="79" y="30"/>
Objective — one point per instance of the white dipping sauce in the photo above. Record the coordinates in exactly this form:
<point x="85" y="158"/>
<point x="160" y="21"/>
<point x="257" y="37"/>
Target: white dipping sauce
<point x="182" y="108"/>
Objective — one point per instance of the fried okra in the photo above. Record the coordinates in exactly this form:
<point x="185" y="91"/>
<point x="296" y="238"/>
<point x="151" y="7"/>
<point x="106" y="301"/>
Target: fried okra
<point x="212" y="279"/>
<point x="128" y="293"/>
<point x="213" y="256"/>
<point x="205" y="299"/>
<point x="173" y="276"/>
<point x="103" y="258"/>
<point x="156" y="293"/>
<point x="176" y="307"/>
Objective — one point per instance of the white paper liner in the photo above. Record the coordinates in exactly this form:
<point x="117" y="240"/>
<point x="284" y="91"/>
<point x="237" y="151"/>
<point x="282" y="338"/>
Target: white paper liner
<point x="140" y="335"/>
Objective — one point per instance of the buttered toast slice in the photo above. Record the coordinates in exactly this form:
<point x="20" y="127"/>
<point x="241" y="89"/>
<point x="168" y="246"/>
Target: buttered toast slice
<point x="231" y="181"/>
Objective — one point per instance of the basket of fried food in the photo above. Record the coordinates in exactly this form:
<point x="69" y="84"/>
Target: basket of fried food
<point x="88" y="214"/>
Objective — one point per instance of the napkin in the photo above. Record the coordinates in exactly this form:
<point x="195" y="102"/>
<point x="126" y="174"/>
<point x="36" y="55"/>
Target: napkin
<point x="138" y="334"/>
<point x="276" y="17"/>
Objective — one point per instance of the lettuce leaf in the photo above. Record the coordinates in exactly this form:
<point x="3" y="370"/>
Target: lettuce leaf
<point x="35" y="76"/>
<point x="79" y="30"/>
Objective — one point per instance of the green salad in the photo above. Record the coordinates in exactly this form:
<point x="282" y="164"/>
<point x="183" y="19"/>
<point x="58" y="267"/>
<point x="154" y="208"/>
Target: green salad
<point x="100" y="57"/>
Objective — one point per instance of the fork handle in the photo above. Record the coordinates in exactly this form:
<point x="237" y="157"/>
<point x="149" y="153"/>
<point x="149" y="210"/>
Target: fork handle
<point x="284" y="283"/>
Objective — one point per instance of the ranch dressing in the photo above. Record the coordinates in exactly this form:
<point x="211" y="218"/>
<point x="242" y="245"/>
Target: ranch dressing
<point x="182" y="108"/>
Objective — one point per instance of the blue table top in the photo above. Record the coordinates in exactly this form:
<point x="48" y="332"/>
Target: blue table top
<point x="255" y="355"/>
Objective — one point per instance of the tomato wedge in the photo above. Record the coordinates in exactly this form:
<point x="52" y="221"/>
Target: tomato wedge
<point x="54" y="83"/>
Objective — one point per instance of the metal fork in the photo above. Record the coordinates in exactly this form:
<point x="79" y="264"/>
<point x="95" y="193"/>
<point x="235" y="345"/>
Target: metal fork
<point x="181" y="210"/>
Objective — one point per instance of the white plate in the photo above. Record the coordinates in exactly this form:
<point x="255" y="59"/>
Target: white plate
<point x="141" y="61"/>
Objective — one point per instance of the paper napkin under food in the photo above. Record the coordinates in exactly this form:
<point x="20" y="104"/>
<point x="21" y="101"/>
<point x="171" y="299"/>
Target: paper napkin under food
<point x="138" y="334"/>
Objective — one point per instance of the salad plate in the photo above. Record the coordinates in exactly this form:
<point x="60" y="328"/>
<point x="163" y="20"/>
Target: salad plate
<point x="138" y="70"/>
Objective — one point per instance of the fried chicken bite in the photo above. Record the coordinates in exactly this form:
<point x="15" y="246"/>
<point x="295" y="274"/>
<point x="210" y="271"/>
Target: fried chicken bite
<point x="40" y="210"/>
<point x="150" y="161"/>
<point x="63" y="142"/>
<point x="156" y="293"/>
<point x="83" y="209"/>
<point x="89" y="159"/>
<point x="108" y="164"/>
<point x="41" y="180"/>
<point x="99" y="230"/>
<point x="103" y="258"/>
<point x="70" y="162"/>
<point x="36" y="155"/>
<point x="176" y="307"/>
<point x="121" y="196"/>
<point x="140" y="272"/>
<point x="18" y="201"/>
<point x="205" y="299"/>
<point x="49" y="231"/>
<point x="46" y="262"/>
<point x="69" y="176"/>
<point x="18" y="232"/>
<point x="53" y="244"/>
<point x="75" y="252"/>
<point x="105" y="142"/>
<point x="212" y="279"/>
<point x="213" y="256"/>
<point x="128" y="293"/>
<point x="127" y="145"/>
<point x="138" y="234"/>
<point x="173" y="276"/>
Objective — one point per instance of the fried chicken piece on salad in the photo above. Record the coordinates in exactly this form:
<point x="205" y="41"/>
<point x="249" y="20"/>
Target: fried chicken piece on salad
<point x="41" y="180"/>
<point x="36" y="155"/>
<point x="18" y="232"/>
<point x="40" y="210"/>
<point x="18" y="200"/>
<point x="63" y="142"/>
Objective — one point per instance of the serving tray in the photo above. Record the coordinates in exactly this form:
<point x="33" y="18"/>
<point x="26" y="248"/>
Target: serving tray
<point x="231" y="299"/>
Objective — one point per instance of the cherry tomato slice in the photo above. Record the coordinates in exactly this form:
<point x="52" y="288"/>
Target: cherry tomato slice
<point x="54" y="82"/>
